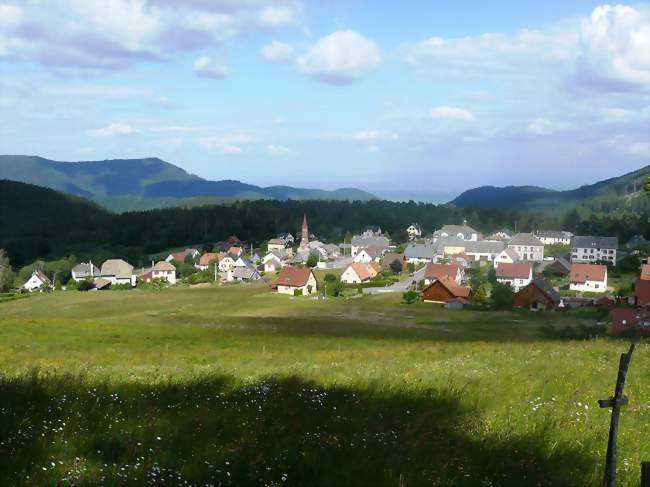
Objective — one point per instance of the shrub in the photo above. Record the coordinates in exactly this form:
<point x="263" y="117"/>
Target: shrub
<point x="329" y="278"/>
<point x="409" y="297"/>
<point x="297" y="292"/>
<point x="396" y="266"/>
<point x="85" y="285"/>
<point x="502" y="296"/>
<point x="121" y="287"/>
<point x="312" y="260"/>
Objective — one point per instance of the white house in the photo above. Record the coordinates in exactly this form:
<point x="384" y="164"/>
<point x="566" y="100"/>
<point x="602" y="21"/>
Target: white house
<point x="164" y="270"/>
<point x="414" y="231"/>
<point x="420" y="253"/>
<point x="296" y="280"/>
<point x="517" y="275"/>
<point x="245" y="274"/>
<point x="507" y="256"/>
<point x="116" y="271"/>
<point x="589" y="249"/>
<point x="278" y="244"/>
<point x="528" y="246"/>
<point x="85" y="271"/>
<point x="463" y="232"/>
<point x="484" y="250"/>
<point x="434" y="272"/>
<point x="206" y="259"/>
<point x="588" y="277"/>
<point x="37" y="281"/>
<point x="365" y="256"/>
<point x="552" y="237"/>
<point x="181" y="256"/>
<point x="357" y="273"/>
<point x="227" y="263"/>
<point x="272" y="264"/>
<point x="368" y="241"/>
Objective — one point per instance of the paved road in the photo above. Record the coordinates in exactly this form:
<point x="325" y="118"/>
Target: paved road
<point x="398" y="287"/>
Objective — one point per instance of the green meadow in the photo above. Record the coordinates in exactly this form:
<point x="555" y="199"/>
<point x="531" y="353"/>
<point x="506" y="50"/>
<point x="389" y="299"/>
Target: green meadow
<point x="235" y="385"/>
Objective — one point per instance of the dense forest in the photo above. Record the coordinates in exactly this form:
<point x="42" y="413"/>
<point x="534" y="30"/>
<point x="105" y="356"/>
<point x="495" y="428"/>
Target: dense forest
<point x="41" y="223"/>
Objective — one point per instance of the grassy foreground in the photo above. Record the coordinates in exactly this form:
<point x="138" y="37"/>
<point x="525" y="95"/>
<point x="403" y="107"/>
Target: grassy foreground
<point x="237" y="386"/>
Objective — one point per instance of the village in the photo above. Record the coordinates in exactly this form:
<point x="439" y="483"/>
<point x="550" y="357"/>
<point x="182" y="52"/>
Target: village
<point x="455" y="266"/>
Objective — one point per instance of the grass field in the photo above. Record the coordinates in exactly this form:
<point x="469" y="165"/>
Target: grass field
<point x="238" y="386"/>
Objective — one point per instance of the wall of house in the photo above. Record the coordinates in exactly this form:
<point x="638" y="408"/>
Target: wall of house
<point x="530" y="296"/>
<point x="350" y="277"/>
<point x="589" y="286"/>
<point x="305" y="289"/>
<point x="593" y="255"/>
<point x="528" y="252"/>
<point x="169" y="276"/>
<point x="517" y="283"/>
<point x="436" y="294"/>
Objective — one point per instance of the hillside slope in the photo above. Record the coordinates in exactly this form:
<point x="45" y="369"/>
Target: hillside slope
<point x="623" y="193"/>
<point x="147" y="183"/>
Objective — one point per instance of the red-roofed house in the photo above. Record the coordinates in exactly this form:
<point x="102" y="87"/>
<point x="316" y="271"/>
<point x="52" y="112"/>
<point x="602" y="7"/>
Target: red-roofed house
<point x="438" y="271"/>
<point x="444" y="289"/>
<point x="296" y="280"/>
<point x="517" y="275"/>
<point x="588" y="277"/>
<point x="625" y="319"/>
<point x="645" y="272"/>
<point x="180" y="256"/>
<point x="357" y="273"/>
<point x="205" y="260"/>
<point x="642" y="292"/>
<point x="236" y="251"/>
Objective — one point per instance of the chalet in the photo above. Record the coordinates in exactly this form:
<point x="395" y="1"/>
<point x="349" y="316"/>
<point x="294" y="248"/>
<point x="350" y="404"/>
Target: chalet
<point x="390" y="257"/>
<point x="589" y="249"/>
<point x="245" y="274"/>
<point x="236" y="251"/>
<point x="368" y="255"/>
<point x="559" y="267"/>
<point x="528" y="246"/>
<point x="414" y="231"/>
<point x="278" y="244"/>
<point x="287" y="237"/>
<point x="84" y="271"/>
<point x="642" y="292"/>
<point x="442" y="290"/>
<point x="272" y="264"/>
<point x="357" y="273"/>
<point x="181" y="256"/>
<point x="360" y="242"/>
<point x="484" y="250"/>
<point x="227" y="262"/>
<point x="507" y="256"/>
<point x="206" y="259"/>
<point x="463" y="232"/>
<point x="627" y="319"/>
<point x="420" y="253"/>
<point x="434" y="272"/>
<point x="537" y="295"/>
<point x="554" y="237"/>
<point x="645" y="272"/>
<point x="164" y="270"/>
<point x="116" y="271"/>
<point x="37" y="282"/>
<point x="517" y="275"/>
<point x="451" y="245"/>
<point x="588" y="277"/>
<point x="296" y="280"/>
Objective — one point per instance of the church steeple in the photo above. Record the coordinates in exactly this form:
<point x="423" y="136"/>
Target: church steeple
<point x="304" y="236"/>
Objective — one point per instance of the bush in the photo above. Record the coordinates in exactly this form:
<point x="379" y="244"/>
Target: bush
<point x="396" y="266"/>
<point x="155" y="284"/>
<point x="329" y="278"/>
<point x="335" y="289"/>
<point x="200" y="277"/>
<point x="502" y="296"/>
<point x="85" y="285"/>
<point x="409" y="297"/>
<point x="312" y="260"/>
<point x="121" y="287"/>
<point x="492" y="275"/>
<point x="297" y="292"/>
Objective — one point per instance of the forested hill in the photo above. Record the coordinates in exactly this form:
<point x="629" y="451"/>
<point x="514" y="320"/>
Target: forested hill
<point x="37" y="222"/>
<point x="147" y="183"/>
<point x="623" y="193"/>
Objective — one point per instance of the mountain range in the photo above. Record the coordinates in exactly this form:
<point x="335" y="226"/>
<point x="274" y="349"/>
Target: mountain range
<point x="136" y="184"/>
<point x="622" y="193"/>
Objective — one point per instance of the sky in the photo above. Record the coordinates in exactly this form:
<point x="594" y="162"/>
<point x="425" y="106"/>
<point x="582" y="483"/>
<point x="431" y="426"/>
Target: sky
<point x="404" y="99"/>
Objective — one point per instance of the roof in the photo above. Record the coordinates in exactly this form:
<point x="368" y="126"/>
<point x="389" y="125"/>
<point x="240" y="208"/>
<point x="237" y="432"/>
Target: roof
<point x="83" y="269"/>
<point x="294" y="276"/>
<point x="389" y="257"/>
<point x="645" y="272"/>
<point x="546" y="288"/>
<point x="437" y="271"/>
<point x="453" y="288"/>
<point x="591" y="242"/>
<point x="581" y="273"/>
<point x="450" y="241"/>
<point x="512" y="253"/>
<point x="526" y="239"/>
<point x="43" y="278"/>
<point x="180" y="256"/>
<point x="101" y="283"/>
<point x="554" y="234"/>
<point x="208" y="257"/>
<point x="563" y="263"/>
<point x="244" y="272"/>
<point x="465" y="230"/>
<point x="278" y="241"/>
<point x="163" y="266"/>
<point x="376" y="266"/>
<point x="375" y="241"/>
<point x="117" y="268"/>
<point x="420" y="251"/>
<point x="507" y="270"/>
<point x="235" y="251"/>
<point x="484" y="247"/>
<point x="361" y="270"/>
<point x="629" y="315"/>
<point x="642" y="292"/>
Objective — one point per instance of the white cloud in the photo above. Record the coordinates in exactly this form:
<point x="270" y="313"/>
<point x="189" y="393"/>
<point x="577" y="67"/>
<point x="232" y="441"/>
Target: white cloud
<point x="277" y="150"/>
<point x="277" y="52"/>
<point x="639" y="149"/>
<point x="543" y="126"/>
<point x="340" y="58"/>
<point x="206" y="67"/>
<point x="370" y="135"/>
<point x="115" y="128"/>
<point x="274" y="16"/>
<point x="451" y="113"/>
<point x="373" y="148"/>
<point x="228" y="144"/>
<point x="174" y="128"/>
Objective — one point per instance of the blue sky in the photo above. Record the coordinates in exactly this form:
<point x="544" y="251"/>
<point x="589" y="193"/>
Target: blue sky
<point x="408" y="99"/>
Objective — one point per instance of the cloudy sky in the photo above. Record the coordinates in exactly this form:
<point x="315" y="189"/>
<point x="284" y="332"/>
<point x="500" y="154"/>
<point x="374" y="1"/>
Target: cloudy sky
<point x="394" y="97"/>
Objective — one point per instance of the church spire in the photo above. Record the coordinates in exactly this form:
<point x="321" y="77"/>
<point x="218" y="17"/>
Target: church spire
<point x="304" y="236"/>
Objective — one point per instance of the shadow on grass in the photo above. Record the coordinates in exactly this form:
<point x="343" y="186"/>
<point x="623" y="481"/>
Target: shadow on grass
<point x="66" y="430"/>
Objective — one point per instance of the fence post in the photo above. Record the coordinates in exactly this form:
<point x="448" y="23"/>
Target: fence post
<point x="645" y="474"/>
<point x="615" y="402"/>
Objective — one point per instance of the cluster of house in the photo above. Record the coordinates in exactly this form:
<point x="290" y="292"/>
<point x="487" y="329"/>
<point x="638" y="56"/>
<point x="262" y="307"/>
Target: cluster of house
<point x="638" y="316"/>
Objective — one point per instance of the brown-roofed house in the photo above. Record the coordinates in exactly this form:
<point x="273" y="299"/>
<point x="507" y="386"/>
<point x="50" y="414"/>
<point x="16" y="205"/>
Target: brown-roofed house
<point x="518" y="275"/>
<point x="588" y="277"/>
<point x="537" y="295"/>
<point x="296" y="280"/>
<point x="204" y="261"/>
<point x="390" y="257"/>
<point x="444" y="289"/>
<point x="357" y="273"/>
<point x="438" y="271"/>
<point x="642" y="292"/>
<point x="626" y="319"/>
<point x="645" y="272"/>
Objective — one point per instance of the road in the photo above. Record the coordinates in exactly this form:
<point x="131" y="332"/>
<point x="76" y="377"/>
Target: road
<point x="398" y="287"/>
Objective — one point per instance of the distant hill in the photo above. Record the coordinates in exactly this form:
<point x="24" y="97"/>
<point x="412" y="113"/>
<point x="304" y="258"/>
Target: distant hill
<point x="148" y="183"/>
<point x="623" y="193"/>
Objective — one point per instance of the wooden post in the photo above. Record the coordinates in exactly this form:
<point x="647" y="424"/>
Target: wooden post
<point x="615" y="402"/>
<point x="645" y="474"/>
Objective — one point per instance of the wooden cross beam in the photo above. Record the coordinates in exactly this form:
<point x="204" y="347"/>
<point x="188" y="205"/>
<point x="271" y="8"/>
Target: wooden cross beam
<point x="615" y="402"/>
